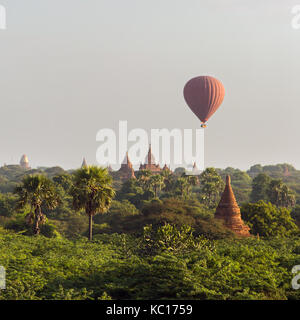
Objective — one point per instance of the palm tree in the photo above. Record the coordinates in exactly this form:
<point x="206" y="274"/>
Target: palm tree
<point x="182" y="185"/>
<point x="38" y="191"/>
<point x="185" y="184"/>
<point x="168" y="180"/>
<point x="92" y="192"/>
<point x="157" y="182"/>
<point x="144" y="179"/>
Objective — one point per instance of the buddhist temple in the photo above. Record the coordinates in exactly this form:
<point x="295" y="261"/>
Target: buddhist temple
<point x="229" y="211"/>
<point x="150" y="163"/>
<point x="24" y="163"/>
<point x="126" y="171"/>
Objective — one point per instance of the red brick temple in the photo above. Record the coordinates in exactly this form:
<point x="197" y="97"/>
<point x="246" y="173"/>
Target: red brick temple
<point x="150" y="163"/>
<point x="229" y="211"/>
<point x="126" y="171"/>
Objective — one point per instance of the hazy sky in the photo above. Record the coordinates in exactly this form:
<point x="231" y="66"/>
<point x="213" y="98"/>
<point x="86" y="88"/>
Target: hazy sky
<point x="71" y="67"/>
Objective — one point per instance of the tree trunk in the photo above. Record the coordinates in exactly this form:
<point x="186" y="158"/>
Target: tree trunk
<point x="90" y="227"/>
<point x="36" y="227"/>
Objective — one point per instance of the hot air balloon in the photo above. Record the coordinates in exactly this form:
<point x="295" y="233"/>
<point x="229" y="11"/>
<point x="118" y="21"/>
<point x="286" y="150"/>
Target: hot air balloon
<point x="204" y="96"/>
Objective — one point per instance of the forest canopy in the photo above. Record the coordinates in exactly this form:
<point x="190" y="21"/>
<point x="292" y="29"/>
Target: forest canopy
<point x="153" y="237"/>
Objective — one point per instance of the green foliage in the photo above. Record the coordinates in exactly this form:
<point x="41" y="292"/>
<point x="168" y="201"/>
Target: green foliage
<point x="63" y="180"/>
<point x="295" y="214"/>
<point x="267" y="220"/>
<point x="133" y="192"/>
<point x="73" y="294"/>
<point x="74" y="226"/>
<point x="171" y="239"/>
<point x="273" y="190"/>
<point x="157" y="240"/>
<point x="122" y="208"/>
<point x="260" y="187"/>
<point x="256" y="169"/>
<point x="19" y="225"/>
<point x="211" y="187"/>
<point x="7" y="204"/>
<point x="113" y="267"/>
<point x="280" y="195"/>
<point x="275" y="171"/>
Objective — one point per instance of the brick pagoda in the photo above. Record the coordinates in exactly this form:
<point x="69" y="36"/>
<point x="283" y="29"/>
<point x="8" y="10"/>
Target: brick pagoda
<point x="126" y="171"/>
<point x="229" y="211"/>
<point x="150" y="163"/>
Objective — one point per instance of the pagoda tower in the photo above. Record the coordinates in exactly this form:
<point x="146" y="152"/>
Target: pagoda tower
<point x="24" y="163"/>
<point x="150" y="163"/>
<point x="126" y="171"/>
<point x="195" y="169"/>
<point x="84" y="164"/>
<point x="229" y="211"/>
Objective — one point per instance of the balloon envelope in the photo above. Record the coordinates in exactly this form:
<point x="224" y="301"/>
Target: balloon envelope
<point x="204" y="96"/>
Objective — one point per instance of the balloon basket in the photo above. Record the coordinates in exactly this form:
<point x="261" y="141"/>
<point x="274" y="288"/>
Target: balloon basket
<point x="203" y="125"/>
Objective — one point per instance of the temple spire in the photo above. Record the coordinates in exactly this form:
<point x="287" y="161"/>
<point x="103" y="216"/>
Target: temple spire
<point x="195" y="167"/>
<point x="126" y="171"/>
<point x="126" y="162"/>
<point x="229" y="211"/>
<point x="84" y="164"/>
<point x="150" y="157"/>
<point x="150" y="163"/>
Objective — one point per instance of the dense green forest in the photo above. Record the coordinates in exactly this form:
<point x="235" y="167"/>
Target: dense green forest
<point x="85" y="234"/>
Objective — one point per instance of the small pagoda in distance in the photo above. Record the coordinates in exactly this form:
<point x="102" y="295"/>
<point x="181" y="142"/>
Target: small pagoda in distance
<point x="84" y="164"/>
<point x="24" y="163"/>
<point x="229" y="211"/>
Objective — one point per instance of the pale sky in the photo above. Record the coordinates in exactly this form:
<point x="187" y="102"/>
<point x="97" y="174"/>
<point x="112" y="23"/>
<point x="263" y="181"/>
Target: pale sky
<point x="69" y="68"/>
